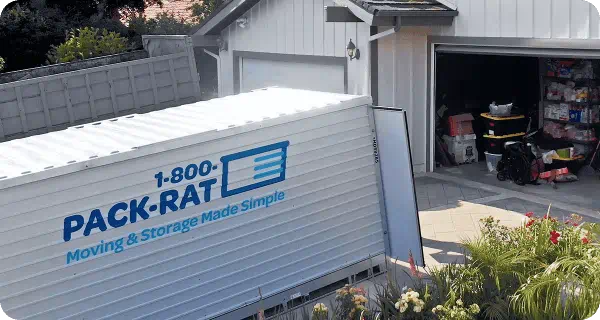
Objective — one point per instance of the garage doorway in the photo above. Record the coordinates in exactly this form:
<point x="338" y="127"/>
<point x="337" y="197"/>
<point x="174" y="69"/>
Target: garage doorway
<point x="466" y="82"/>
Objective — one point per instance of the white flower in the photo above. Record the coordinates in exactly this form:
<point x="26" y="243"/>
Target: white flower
<point x="459" y="302"/>
<point x="403" y="307"/>
<point x="404" y="296"/>
<point x="397" y="305"/>
<point x="463" y="313"/>
<point x="320" y="307"/>
<point x="417" y="309"/>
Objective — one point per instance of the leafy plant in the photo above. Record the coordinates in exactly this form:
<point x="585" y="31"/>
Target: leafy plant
<point x="202" y="10"/>
<point x="545" y="269"/>
<point x="88" y="43"/>
<point x="2" y="64"/>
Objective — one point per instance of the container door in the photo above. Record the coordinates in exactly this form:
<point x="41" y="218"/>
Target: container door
<point x="395" y="161"/>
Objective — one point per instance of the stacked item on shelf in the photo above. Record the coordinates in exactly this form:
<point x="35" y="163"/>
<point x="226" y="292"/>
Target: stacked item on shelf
<point x="571" y="99"/>
<point x="501" y="127"/>
<point x="461" y="140"/>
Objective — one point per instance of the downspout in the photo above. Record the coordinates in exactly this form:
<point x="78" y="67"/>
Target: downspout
<point x="374" y="56"/>
<point x="218" y="58"/>
<point x="388" y="32"/>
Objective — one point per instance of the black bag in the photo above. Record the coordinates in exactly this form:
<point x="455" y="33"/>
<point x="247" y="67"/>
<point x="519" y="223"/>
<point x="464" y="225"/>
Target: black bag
<point x="516" y="164"/>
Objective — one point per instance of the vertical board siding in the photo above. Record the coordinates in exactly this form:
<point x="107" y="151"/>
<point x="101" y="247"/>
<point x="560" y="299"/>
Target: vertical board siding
<point x="296" y="27"/>
<point x="39" y="105"/>
<point x="406" y="86"/>
<point x="543" y="19"/>
<point x="291" y="27"/>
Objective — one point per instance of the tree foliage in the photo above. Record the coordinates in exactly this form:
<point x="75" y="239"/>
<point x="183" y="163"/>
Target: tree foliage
<point x="202" y="10"/>
<point x="27" y="34"/>
<point x="87" y="43"/>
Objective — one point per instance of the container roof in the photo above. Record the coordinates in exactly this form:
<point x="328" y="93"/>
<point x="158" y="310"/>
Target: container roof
<point x="91" y="145"/>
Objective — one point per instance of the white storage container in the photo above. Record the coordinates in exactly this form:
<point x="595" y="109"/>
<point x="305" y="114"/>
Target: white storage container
<point x="463" y="148"/>
<point x="186" y="212"/>
<point x="492" y="161"/>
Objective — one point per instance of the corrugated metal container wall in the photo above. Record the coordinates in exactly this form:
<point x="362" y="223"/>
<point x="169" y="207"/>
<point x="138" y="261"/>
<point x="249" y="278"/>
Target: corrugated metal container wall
<point x="329" y="216"/>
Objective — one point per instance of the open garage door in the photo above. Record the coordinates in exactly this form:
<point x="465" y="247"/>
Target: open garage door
<point x="328" y="75"/>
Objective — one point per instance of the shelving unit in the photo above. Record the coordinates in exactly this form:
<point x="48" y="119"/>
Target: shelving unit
<point x="584" y="109"/>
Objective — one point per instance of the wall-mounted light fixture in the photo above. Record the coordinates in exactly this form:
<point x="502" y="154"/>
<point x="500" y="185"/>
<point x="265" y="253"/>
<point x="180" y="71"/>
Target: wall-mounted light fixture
<point x="222" y="44"/>
<point x="242" y="22"/>
<point x="353" y="51"/>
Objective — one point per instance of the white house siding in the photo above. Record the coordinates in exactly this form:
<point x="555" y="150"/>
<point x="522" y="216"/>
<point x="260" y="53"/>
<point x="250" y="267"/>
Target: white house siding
<point x="297" y="27"/>
<point x="406" y="88"/>
<point x="542" y="19"/>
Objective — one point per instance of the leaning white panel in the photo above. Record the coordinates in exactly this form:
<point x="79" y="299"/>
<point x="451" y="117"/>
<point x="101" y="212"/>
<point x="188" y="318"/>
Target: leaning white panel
<point x="184" y="213"/>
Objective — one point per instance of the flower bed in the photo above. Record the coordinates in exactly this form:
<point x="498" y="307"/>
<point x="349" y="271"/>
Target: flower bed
<point x="545" y="269"/>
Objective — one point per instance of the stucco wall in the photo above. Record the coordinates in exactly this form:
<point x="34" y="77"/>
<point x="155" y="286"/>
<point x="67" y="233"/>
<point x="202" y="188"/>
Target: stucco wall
<point x="297" y="27"/>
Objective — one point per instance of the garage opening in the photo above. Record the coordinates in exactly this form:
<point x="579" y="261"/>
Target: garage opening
<point x="536" y="116"/>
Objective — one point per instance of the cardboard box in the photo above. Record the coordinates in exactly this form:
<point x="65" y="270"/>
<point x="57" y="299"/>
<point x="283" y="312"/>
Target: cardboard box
<point x="460" y="125"/>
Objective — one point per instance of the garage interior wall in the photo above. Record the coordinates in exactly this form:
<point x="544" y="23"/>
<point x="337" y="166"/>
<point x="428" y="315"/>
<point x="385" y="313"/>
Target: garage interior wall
<point x="297" y="27"/>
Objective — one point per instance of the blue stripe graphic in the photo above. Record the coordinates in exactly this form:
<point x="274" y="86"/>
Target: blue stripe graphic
<point x="270" y="156"/>
<point x="268" y="173"/>
<point x="268" y="165"/>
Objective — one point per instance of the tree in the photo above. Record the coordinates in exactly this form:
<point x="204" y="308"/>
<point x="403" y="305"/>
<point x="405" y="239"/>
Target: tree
<point x="90" y="8"/>
<point x="202" y="10"/>
<point x="28" y="34"/>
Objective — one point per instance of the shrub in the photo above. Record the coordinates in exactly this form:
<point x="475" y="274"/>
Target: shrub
<point x="2" y="64"/>
<point x="545" y="269"/>
<point x="88" y="43"/>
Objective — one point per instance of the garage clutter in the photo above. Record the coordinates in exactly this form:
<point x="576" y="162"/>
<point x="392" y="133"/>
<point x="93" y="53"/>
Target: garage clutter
<point x="461" y="140"/>
<point x="550" y="140"/>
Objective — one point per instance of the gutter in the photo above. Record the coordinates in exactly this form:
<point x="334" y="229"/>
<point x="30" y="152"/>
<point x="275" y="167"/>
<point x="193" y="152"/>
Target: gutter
<point x="396" y="28"/>
<point x="218" y="58"/>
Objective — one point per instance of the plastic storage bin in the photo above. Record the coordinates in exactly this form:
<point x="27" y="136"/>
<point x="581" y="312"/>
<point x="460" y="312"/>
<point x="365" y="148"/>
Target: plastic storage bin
<point x="492" y="160"/>
<point x="495" y="144"/>
<point x="501" y="126"/>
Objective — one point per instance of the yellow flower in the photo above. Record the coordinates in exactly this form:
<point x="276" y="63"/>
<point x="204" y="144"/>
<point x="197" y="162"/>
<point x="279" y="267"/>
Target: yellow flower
<point x="359" y="299"/>
<point x="459" y="302"/>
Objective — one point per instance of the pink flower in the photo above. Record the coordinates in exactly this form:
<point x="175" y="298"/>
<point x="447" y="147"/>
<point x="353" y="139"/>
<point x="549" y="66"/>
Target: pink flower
<point x="585" y="240"/>
<point x="413" y="266"/>
<point x="530" y="223"/>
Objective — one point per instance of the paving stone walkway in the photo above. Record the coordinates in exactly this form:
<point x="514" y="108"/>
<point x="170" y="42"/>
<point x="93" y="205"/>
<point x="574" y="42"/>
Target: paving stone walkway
<point x="450" y="213"/>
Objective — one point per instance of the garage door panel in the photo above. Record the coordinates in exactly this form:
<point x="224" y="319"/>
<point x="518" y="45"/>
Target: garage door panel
<point x="257" y="73"/>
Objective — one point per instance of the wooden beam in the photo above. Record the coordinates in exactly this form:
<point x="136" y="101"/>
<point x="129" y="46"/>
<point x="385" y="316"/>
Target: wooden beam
<point x="340" y="14"/>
